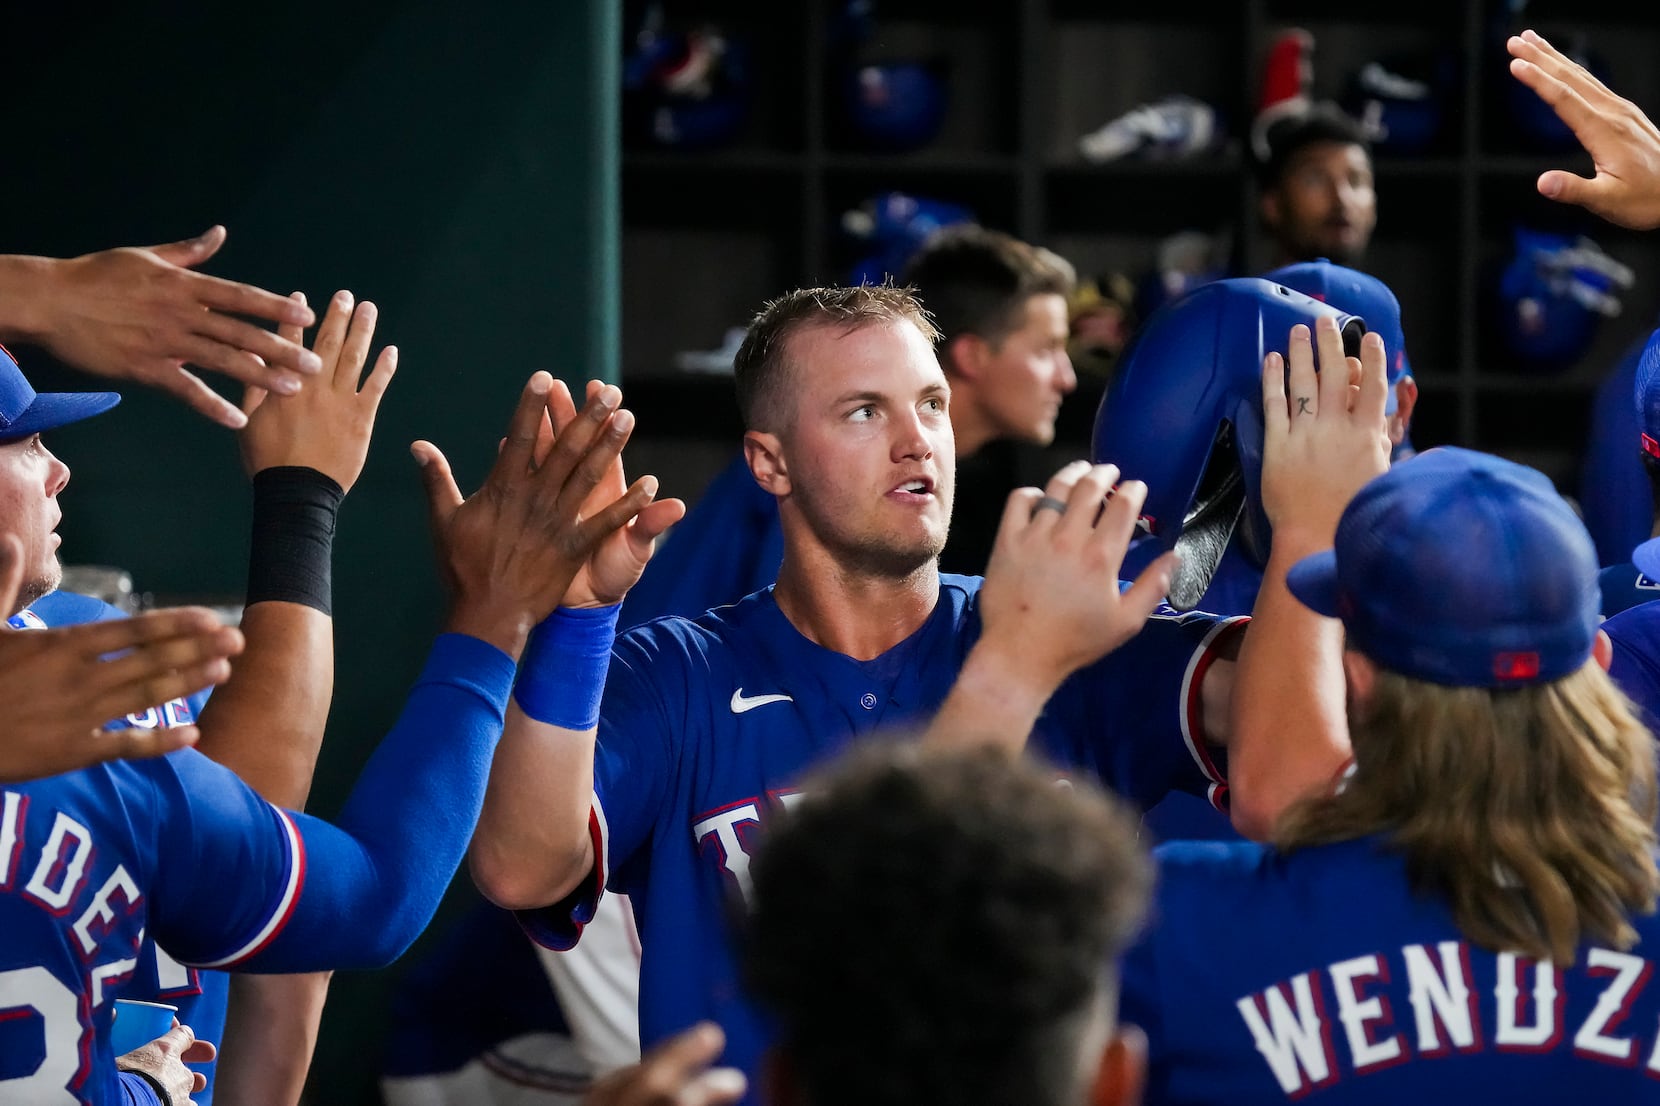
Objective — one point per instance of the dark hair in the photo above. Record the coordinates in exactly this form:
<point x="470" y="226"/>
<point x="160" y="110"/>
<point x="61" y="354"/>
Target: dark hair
<point x="932" y="926"/>
<point x="1288" y="136"/>
<point x="761" y="366"/>
<point x="975" y="280"/>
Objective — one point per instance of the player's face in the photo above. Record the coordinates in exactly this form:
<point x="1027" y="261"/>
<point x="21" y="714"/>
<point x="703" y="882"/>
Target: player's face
<point x="1326" y="205"/>
<point x="870" y="453"/>
<point x="1029" y="373"/>
<point x="30" y="480"/>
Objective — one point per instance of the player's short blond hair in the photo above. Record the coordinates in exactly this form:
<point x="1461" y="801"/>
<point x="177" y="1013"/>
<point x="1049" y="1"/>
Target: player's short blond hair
<point x="1530" y="811"/>
<point x="763" y="366"/>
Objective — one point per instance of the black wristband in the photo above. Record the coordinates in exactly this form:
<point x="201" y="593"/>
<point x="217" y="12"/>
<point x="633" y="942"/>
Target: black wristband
<point x="293" y="537"/>
<point x="162" y="1094"/>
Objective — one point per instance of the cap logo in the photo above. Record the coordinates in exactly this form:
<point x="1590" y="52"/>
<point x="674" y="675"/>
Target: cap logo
<point x="1650" y="446"/>
<point x="1516" y="666"/>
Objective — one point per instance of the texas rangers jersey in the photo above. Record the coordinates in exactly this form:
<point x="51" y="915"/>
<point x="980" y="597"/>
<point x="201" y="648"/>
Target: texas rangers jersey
<point x="1622" y="587"/>
<point x="1265" y="977"/>
<point x="1635" y="635"/>
<point x="93" y="862"/>
<point x="200" y="996"/>
<point x="707" y="725"/>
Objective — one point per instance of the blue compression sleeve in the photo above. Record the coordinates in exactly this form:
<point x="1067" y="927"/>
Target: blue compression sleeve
<point x="371" y="882"/>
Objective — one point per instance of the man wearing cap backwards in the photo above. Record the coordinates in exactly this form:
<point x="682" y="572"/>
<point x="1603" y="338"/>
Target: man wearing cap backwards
<point x="1470" y="911"/>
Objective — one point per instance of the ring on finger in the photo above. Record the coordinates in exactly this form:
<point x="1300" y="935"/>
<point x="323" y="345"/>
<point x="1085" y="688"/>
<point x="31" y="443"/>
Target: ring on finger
<point x="1049" y="503"/>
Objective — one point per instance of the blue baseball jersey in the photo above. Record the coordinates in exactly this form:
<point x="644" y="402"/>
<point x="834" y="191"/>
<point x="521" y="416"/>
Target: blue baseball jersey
<point x="1635" y="635"/>
<point x="707" y="725"/>
<point x="1265" y="977"/>
<point x="1622" y="587"/>
<point x="1614" y="494"/>
<point x="200" y="996"/>
<point x="94" y="863"/>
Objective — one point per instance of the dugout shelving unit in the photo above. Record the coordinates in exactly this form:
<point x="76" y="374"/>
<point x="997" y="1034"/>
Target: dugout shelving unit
<point x="708" y="235"/>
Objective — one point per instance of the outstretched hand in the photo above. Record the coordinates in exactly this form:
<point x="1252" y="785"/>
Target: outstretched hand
<point x="621" y="557"/>
<point x="1327" y="437"/>
<point x="1623" y="142"/>
<point x="327" y="425"/>
<point x="62" y="690"/>
<point x="675" y="1073"/>
<point x="510" y="550"/>
<point x="141" y="314"/>
<point x="1052" y="584"/>
<point x="164" y="1060"/>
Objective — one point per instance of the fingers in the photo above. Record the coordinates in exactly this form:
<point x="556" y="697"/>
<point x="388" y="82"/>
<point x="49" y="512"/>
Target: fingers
<point x="11" y="575"/>
<point x="561" y="407"/>
<point x="1017" y="514"/>
<point x="331" y="334"/>
<point x="200" y="1052"/>
<point x="1374" y="380"/>
<point x="591" y="467"/>
<point x="194" y="646"/>
<point x="244" y="299"/>
<point x="237" y="363"/>
<point x="514" y="459"/>
<point x="137" y="743"/>
<point x="1275" y="418"/>
<point x="176" y="1041"/>
<point x="93" y="640"/>
<point x="1117" y="522"/>
<point x="587" y="445"/>
<point x="190" y="252"/>
<point x="156" y="689"/>
<point x="619" y="511"/>
<point x="653" y="522"/>
<point x="1142" y="598"/>
<point x="348" y="370"/>
<point x="1333" y="377"/>
<point x="277" y="354"/>
<point x="443" y="497"/>
<point x="1302" y="385"/>
<point x="189" y="387"/>
<point x="1089" y="494"/>
<point x="380" y="376"/>
<point x="1058" y="489"/>
<point x="669" y="1070"/>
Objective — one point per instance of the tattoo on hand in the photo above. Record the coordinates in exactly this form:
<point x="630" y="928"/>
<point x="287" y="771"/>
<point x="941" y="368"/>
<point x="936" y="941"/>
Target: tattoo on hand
<point x="1302" y="406"/>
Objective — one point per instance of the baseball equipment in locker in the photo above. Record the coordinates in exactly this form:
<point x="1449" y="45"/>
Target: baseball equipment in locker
<point x="1177" y="126"/>
<point x="1401" y="101"/>
<point x="1184" y="415"/>
<point x="891" y="226"/>
<point x="687" y="89"/>
<point x="1553" y="293"/>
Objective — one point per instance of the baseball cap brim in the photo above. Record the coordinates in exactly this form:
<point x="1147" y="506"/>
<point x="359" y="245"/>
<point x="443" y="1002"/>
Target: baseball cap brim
<point x="51" y="410"/>
<point x="1647" y="558"/>
<point x="1313" y="580"/>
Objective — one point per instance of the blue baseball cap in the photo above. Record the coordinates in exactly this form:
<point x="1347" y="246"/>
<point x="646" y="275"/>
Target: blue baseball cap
<point x="1354" y="293"/>
<point x="25" y="412"/>
<point x="1460" y="568"/>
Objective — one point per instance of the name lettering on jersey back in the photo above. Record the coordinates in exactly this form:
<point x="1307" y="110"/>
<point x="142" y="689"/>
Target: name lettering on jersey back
<point x="727" y="835"/>
<point x="1297" y="1023"/>
<point x="59" y="878"/>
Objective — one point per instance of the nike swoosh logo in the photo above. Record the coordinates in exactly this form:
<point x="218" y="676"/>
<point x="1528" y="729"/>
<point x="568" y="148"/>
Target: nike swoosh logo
<point x="742" y="702"/>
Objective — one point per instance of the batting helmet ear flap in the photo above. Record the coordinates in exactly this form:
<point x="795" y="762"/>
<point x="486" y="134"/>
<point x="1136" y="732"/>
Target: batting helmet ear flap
<point x="1209" y="524"/>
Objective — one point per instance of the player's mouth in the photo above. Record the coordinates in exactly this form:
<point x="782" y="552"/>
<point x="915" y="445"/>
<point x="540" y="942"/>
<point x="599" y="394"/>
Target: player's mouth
<point x="918" y="489"/>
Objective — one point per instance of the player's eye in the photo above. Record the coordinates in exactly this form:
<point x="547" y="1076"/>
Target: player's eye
<point x="863" y="413"/>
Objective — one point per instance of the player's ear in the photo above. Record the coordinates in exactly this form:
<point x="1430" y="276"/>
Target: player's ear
<point x="1602" y="649"/>
<point x="765" y="455"/>
<point x="1123" y="1071"/>
<point x="1406" y="398"/>
<point x="1360" y="674"/>
<point x="779" y="1084"/>
<point x="965" y="356"/>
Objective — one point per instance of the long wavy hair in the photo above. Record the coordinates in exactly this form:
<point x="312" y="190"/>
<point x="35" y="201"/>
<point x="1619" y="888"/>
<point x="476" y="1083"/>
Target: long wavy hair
<point x="1530" y="810"/>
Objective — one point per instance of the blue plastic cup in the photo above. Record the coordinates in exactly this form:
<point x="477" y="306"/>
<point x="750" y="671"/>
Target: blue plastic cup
<point x="138" y="1023"/>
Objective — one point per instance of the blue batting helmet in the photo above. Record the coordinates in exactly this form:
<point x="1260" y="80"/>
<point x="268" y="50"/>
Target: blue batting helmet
<point x="1184" y="415"/>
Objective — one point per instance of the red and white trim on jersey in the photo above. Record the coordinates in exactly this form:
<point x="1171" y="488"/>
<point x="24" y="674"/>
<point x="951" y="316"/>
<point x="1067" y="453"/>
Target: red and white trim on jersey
<point x="559" y="927"/>
<point x="1193" y="730"/>
<point x="284" y="909"/>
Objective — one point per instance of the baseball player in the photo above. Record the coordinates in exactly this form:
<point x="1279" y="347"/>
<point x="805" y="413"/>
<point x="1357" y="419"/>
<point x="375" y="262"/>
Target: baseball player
<point x="707" y="724"/>
<point x="304" y="452"/>
<point x="1624" y="584"/>
<point x="180" y="849"/>
<point x="1000" y="306"/>
<point x="1469" y="913"/>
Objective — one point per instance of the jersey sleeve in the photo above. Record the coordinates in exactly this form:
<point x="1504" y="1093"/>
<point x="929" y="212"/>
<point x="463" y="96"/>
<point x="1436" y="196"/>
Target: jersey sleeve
<point x="1134" y="717"/>
<point x="633" y="756"/>
<point x="248" y="886"/>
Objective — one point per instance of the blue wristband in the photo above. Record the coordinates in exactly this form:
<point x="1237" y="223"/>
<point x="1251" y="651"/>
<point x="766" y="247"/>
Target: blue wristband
<point x="562" y="676"/>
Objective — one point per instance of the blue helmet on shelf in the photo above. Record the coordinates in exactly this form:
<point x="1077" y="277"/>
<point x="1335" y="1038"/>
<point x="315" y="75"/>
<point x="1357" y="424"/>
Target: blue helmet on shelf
<point x="894" y="106"/>
<point x="1553" y="294"/>
<point x="1183" y="414"/>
